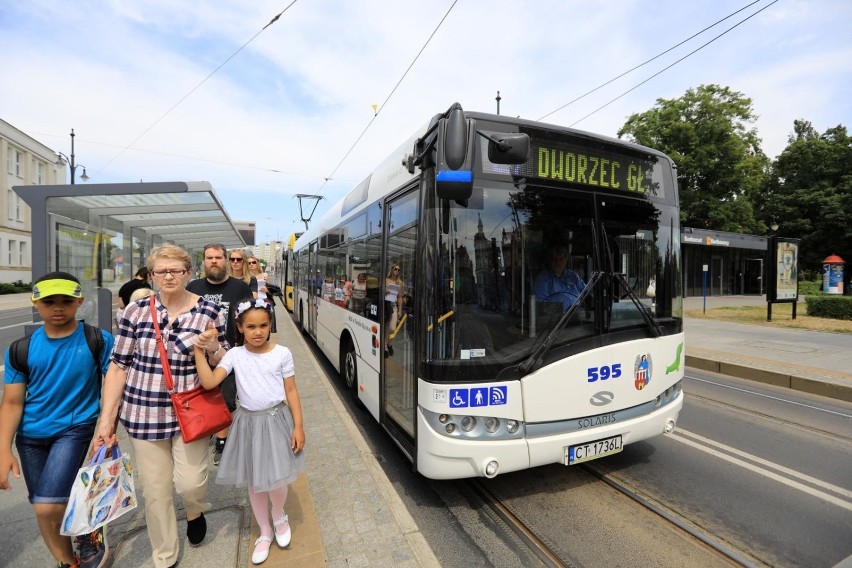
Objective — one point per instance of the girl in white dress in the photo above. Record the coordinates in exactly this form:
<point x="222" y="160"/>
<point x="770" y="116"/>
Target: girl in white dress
<point x="270" y="412"/>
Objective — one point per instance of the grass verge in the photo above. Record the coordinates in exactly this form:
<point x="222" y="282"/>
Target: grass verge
<point x="782" y="316"/>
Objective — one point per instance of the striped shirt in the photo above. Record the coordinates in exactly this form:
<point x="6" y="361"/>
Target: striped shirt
<point x="146" y="410"/>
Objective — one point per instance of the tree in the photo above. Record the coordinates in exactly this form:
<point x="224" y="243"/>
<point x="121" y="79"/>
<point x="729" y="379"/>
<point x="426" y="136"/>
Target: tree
<point x="719" y="161"/>
<point x="809" y="193"/>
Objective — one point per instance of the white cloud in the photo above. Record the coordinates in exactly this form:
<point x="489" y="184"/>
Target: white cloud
<point x="297" y="97"/>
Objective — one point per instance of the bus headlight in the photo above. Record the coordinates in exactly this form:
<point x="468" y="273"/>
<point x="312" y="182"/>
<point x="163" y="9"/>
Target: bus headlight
<point x="468" y="423"/>
<point x="491" y="425"/>
<point x="470" y="427"/>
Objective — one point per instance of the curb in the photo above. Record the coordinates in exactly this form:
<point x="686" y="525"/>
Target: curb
<point x="776" y="378"/>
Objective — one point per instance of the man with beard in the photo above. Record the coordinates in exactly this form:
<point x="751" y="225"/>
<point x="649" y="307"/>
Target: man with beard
<point x="219" y="287"/>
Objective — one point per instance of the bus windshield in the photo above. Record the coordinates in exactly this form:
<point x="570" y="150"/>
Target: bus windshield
<point x="516" y="256"/>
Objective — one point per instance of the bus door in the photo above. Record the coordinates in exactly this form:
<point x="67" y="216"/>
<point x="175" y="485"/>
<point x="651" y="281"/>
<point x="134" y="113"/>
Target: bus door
<point x="314" y="289"/>
<point x="398" y="326"/>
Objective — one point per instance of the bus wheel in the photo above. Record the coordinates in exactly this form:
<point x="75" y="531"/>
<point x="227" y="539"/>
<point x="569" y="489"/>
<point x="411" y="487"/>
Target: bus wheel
<point x="349" y="368"/>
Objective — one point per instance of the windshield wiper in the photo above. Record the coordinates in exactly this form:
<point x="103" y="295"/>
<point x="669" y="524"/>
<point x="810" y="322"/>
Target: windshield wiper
<point x="652" y="323"/>
<point x="534" y="360"/>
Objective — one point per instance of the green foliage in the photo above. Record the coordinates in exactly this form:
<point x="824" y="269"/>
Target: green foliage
<point x="708" y="133"/>
<point x="826" y="306"/>
<point x="809" y="193"/>
<point x="15" y="287"/>
<point x="810" y="288"/>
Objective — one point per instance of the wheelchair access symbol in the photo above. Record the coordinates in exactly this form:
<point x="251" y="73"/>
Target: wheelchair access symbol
<point x="458" y="398"/>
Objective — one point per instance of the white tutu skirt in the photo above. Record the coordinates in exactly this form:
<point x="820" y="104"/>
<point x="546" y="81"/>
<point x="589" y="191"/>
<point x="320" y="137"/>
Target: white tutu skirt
<point x="258" y="453"/>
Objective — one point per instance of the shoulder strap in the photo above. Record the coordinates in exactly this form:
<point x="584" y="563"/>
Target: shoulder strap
<point x="167" y="370"/>
<point x="18" y="353"/>
<point x="95" y="340"/>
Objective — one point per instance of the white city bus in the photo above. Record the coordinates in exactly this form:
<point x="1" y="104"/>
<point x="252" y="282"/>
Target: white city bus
<point x="466" y="360"/>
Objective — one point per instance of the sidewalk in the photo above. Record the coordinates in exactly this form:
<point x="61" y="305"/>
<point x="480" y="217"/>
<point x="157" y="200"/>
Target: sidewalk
<point x="345" y="512"/>
<point x="808" y="361"/>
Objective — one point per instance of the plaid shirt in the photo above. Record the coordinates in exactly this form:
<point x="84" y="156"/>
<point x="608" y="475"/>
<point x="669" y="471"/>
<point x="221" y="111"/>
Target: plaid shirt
<point x="146" y="410"/>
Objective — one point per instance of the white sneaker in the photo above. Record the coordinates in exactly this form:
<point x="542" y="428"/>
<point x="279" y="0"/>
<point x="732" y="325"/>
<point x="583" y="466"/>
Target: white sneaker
<point x="282" y="531"/>
<point x="261" y="549"/>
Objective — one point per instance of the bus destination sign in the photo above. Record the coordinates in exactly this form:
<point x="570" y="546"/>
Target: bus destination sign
<point x="593" y="166"/>
<point x="586" y="167"/>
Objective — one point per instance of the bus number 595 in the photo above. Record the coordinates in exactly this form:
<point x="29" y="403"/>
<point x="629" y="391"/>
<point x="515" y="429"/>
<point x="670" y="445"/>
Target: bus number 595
<point x="604" y="372"/>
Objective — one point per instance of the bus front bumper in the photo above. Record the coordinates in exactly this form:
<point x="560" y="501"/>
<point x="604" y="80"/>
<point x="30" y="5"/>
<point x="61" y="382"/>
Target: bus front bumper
<point x="444" y="457"/>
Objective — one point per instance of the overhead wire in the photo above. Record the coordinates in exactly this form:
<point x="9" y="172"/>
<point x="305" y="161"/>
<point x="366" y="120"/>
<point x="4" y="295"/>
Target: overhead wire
<point x="632" y="69"/>
<point x="666" y="68"/>
<point x="376" y="113"/>
<point x="193" y="158"/>
<point x="196" y="87"/>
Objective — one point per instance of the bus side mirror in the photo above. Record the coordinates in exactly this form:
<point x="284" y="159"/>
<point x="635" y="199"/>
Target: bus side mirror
<point x="508" y="148"/>
<point x="454" y="164"/>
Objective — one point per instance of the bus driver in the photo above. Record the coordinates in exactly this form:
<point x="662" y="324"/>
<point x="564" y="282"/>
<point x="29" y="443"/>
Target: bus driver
<point x="557" y="282"/>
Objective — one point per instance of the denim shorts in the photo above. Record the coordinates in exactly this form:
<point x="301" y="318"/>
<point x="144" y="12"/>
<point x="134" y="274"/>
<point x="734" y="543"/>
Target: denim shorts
<point x="50" y="465"/>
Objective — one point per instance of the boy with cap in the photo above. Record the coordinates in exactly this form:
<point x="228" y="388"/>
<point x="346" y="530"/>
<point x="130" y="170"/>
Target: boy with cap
<point x="53" y="407"/>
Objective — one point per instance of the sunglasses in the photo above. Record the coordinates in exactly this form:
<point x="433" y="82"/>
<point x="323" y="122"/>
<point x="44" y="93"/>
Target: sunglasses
<point x="235" y="259"/>
<point x="252" y="262"/>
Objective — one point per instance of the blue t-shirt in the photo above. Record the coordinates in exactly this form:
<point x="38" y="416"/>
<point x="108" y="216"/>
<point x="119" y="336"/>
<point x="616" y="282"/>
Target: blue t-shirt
<point x="64" y="386"/>
<point x="551" y="288"/>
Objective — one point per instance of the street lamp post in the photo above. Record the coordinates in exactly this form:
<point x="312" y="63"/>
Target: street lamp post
<point x="71" y="162"/>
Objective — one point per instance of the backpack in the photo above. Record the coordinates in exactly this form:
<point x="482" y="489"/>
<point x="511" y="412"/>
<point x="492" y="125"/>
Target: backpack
<point x="20" y="348"/>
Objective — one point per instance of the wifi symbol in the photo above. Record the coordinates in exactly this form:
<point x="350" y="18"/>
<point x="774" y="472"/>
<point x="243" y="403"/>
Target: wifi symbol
<point x="498" y="395"/>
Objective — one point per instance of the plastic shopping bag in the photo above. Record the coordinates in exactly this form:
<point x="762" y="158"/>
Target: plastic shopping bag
<point x="102" y="491"/>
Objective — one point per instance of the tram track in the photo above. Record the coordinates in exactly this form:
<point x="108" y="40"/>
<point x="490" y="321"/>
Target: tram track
<point x="526" y="534"/>
<point x="673" y="518"/>
<point x="549" y="554"/>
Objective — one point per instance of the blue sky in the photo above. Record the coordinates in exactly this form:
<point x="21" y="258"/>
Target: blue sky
<point x="282" y="113"/>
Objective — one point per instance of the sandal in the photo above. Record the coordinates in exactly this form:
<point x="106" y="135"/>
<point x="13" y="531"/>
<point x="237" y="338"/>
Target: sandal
<point x="261" y="549"/>
<point x="282" y="531"/>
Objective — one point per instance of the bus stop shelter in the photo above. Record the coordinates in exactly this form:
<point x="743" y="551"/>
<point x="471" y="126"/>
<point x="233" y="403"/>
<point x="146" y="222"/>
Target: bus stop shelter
<point x="102" y="233"/>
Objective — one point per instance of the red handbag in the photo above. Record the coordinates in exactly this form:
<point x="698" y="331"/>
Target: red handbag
<point x="200" y="412"/>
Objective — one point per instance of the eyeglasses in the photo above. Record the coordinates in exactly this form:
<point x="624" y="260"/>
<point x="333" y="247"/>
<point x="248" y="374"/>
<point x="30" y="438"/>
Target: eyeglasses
<point x="235" y="259"/>
<point x="174" y="272"/>
<point x="252" y="263"/>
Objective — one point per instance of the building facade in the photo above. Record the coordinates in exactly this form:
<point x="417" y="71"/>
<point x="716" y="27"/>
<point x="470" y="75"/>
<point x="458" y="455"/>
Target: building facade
<point x="734" y="263"/>
<point x="267" y="253"/>
<point x="26" y="161"/>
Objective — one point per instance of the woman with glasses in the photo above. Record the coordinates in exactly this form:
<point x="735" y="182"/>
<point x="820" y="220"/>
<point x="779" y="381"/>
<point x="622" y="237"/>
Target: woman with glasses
<point x="238" y="263"/>
<point x="394" y="294"/>
<point x="256" y="270"/>
<point x="135" y="393"/>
